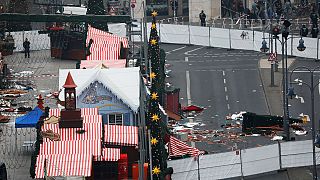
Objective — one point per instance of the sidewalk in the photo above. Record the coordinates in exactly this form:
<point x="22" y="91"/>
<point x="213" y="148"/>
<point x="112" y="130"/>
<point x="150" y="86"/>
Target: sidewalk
<point x="273" y="93"/>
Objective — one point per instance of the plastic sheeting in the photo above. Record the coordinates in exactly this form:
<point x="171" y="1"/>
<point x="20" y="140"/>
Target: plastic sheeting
<point x="260" y="160"/>
<point x="248" y="162"/>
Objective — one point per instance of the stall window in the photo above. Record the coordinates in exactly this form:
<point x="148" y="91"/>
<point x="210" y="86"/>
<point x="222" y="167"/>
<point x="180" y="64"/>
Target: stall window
<point x="115" y="119"/>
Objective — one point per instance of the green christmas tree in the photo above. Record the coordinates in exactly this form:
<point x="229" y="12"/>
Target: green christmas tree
<point x="158" y="130"/>
<point x="96" y="7"/>
<point x="18" y="6"/>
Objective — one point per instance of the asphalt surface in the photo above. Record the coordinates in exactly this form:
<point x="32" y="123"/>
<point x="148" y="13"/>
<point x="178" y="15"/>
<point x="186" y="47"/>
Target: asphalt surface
<point x="223" y="82"/>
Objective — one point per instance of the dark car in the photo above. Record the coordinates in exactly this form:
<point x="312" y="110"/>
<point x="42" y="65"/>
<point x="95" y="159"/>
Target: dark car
<point x="3" y="171"/>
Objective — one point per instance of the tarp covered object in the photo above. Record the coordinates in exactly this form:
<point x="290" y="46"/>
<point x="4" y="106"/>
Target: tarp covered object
<point x="30" y="119"/>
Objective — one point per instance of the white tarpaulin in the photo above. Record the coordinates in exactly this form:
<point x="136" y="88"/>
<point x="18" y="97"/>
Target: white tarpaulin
<point x="219" y="37"/>
<point x="199" y="35"/>
<point x="176" y="34"/>
<point x="260" y="160"/>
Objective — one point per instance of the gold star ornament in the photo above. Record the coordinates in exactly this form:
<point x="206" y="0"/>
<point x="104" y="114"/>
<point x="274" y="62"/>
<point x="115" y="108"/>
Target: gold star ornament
<point x="155" y="117"/>
<point x="154" y="13"/>
<point x="152" y="75"/>
<point x="156" y="170"/>
<point x="154" y="141"/>
<point x="153" y="41"/>
<point x="154" y="96"/>
<point x="153" y="26"/>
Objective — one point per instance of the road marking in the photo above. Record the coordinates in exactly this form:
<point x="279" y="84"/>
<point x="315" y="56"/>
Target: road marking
<point x="227" y="97"/>
<point x="228" y="105"/>
<point x="225" y="89"/>
<point x="224" y="81"/>
<point x="302" y="100"/>
<point x="193" y="144"/>
<point x="306" y="71"/>
<point x="176" y="49"/>
<point x="188" y="88"/>
<point x="186" y="58"/>
<point x="187" y="53"/>
<point x="223" y="73"/>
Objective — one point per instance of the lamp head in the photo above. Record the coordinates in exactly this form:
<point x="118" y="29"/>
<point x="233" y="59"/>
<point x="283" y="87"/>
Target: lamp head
<point x="301" y="46"/>
<point x="264" y="47"/>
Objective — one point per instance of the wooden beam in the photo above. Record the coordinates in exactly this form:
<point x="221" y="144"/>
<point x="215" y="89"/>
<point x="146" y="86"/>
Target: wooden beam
<point x="63" y="18"/>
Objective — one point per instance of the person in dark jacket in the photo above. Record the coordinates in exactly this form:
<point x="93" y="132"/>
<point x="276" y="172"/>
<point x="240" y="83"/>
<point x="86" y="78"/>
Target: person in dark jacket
<point x="202" y="17"/>
<point x="26" y="46"/>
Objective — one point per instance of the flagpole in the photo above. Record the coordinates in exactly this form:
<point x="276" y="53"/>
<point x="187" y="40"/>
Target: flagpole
<point x="198" y="166"/>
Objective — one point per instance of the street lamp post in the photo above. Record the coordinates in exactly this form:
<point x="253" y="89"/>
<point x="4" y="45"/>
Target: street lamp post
<point x="311" y="87"/>
<point x="301" y="47"/>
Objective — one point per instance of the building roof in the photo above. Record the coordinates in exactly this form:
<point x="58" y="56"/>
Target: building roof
<point x="124" y="83"/>
<point x="69" y="82"/>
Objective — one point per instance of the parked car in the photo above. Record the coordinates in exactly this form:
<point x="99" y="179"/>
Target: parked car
<point x="3" y="171"/>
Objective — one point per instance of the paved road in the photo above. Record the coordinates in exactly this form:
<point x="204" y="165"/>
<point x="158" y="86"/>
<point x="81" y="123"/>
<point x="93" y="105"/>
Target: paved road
<point x="224" y="82"/>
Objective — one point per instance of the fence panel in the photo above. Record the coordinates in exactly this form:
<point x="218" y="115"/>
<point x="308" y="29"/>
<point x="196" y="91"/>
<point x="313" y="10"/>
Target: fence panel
<point x="311" y="47"/>
<point x="199" y="35"/>
<point x="260" y="160"/>
<point x="184" y="169"/>
<point x="257" y="40"/>
<point x="220" y="166"/>
<point x="296" y="154"/>
<point x="219" y="37"/>
<point x="241" y="39"/>
<point x="176" y="34"/>
<point x="37" y="41"/>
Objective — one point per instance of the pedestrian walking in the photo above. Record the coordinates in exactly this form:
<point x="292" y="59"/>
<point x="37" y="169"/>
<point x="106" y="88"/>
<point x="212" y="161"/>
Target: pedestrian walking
<point x="26" y="46"/>
<point x="202" y="17"/>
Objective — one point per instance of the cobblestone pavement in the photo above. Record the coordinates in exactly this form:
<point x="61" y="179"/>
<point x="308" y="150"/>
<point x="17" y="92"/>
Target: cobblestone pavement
<point x="43" y="80"/>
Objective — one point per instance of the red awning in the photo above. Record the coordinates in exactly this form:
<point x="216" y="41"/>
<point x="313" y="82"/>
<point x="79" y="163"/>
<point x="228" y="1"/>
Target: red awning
<point x="110" y="154"/>
<point x="179" y="148"/>
<point x="92" y="131"/>
<point x="192" y="108"/>
<point x="121" y="135"/>
<point x="84" y="112"/>
<point x="173" y="115"/>
<point x="92" y="147"/>
<point x="105" y="46"/>
<point x="64" y="165"/>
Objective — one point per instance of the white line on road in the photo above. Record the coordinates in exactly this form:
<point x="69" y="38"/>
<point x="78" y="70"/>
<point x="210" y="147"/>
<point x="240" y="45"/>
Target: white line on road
<point x="188" y="88"/>
<point x="225" y="89"/>
<point x="224" y="81"/>
<point x="306" y="71"/>
<point x="193" y="144"/>
<point x="228" y="105"/>
<point x="302" y="100"/>
<point x="186" y="58"/>
<point x="176" y="49"/>
<point x="223" y="73"/>
<point x="227" y="97"/>
<point x="187" y="53"/>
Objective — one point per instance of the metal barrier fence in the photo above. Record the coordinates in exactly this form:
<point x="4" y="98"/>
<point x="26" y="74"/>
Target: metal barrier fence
<point x="237" y="23"/>
<point x="232" y="39"/>
<point x="245" y="162"/>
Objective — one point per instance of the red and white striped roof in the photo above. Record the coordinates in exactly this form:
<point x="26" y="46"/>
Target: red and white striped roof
<point x="121" y="135"/>
<point x="71" y="147"/>
<point x="110" y="154"/>
<point x="105" y="46"/>
<point x="93" y="131"/>
<point x="179" y="148"/>
<point x="84" y="112"/>
<point x="64" y="165"/>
